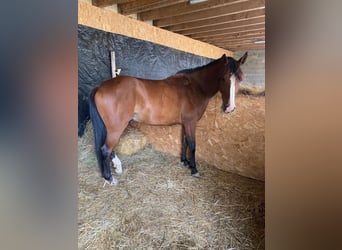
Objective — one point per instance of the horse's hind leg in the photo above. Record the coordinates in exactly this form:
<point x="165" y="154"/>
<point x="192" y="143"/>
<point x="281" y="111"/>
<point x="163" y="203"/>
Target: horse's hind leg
<point x="113" y="136"/>
<point x="116" y="162"/>
<point x="106" y="173"/>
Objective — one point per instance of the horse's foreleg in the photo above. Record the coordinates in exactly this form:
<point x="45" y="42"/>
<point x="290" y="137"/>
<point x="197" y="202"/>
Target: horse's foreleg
<point x="184" y="148"/>
<point x="190" y="130"/>
<point x="192" y="165"/>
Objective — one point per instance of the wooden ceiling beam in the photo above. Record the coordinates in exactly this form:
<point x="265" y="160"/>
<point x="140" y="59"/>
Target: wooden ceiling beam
<point x="217" y="20"/>
<point x="231" y="44"/>
<point x="235" y="35"/>
<point x="105" y="3"/>
<point x="211" y="13"/>
<point x="243" y="47"/>
<point x="221" y="32"/>
<point x="182" y="8"/>
<point x="138" y="6"/>
<point x="258" y="20"/>
<point x="233" y="40"/>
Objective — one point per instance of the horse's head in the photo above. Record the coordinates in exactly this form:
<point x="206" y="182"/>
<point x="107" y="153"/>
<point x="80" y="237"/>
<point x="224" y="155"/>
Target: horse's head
<point x="231" y="81"/>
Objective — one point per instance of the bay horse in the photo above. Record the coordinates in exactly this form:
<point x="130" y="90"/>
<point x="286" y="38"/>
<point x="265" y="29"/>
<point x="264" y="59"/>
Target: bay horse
<point x="179" y="99"/>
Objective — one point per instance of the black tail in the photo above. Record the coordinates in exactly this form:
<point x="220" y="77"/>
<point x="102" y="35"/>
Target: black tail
<point x="100" y="131"/>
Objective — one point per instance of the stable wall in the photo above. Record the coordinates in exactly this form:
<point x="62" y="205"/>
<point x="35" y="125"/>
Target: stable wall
<point x="254" y="68"/>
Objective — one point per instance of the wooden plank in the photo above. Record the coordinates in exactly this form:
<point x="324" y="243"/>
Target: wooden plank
<point x="138" y="6"/>
<point x="217" y="20"/>
<point x="212" y="13"/>
<point x="239" y="40"/>
<point x="234" y="44"/>
<point x="258" y="20"/>
<point x="229" y="40"/>
<point x="235" y="35"/>
<point x="229" y="31"/>
<point x="105" y="3"/>
<point x="113" y="64"/>
<point x="182" y="8"/>
<point x="244" y="47"/>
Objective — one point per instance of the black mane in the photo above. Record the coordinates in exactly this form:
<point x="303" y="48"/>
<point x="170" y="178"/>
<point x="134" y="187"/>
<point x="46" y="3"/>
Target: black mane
<point x="188" y="71"/>
<point x="232" y="66"/>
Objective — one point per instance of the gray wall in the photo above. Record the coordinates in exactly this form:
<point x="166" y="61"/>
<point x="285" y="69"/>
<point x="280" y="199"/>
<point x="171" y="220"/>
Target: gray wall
<point x="254" y="68"/>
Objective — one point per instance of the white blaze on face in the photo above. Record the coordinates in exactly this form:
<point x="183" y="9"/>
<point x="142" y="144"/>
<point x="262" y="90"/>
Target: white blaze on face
<point x="231" y="106"/>
<point x="117" y="163"/>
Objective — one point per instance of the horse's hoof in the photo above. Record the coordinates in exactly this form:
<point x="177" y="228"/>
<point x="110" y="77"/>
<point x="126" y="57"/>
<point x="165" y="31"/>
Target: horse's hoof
<point x="112" y="182"/>
<point x="186" y="163"/>
<point x="196" y="175"/>
<point x="229" y="110"/>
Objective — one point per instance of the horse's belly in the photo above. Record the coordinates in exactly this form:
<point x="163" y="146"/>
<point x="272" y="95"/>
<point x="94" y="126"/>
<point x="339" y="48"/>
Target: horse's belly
<point x="157" y="116"/>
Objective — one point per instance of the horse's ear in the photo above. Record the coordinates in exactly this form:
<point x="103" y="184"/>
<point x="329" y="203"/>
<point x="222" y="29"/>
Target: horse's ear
<point x="242" y="60"/>
<point x="224" y="57"/>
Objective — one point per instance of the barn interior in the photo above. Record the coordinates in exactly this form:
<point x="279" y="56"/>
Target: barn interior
<point x="156" y="203"/>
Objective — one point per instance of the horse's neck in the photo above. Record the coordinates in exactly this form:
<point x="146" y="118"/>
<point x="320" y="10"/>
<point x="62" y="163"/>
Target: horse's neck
<point x="209" y="81"/>
<point x="209" y="86"/>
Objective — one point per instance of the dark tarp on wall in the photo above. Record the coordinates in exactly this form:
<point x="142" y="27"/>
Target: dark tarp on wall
<point x="133" y="56"/>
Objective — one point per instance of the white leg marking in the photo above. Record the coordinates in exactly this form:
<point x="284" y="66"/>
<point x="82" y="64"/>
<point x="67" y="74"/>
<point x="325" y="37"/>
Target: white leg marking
<point x="117" y="163"/>
<point x="231" y="106"/>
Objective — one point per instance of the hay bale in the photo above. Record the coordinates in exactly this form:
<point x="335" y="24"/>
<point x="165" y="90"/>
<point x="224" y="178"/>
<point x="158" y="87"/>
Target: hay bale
<point x="251" y="91"/>
<point x="131" y="141"/>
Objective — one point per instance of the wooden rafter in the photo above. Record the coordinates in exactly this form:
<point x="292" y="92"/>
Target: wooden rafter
<point x="243" y="47"/>
<point x="229" y="24"/>
<point x="138" y="6"/>
<point x="229" y="31"/>
<point x="235" y="35"/>
<point x="240" y="39"/>
<point x="105" y="3"/>
<point x="211" y="13"/>
<point x="217" y="20"/>
<point x="242" y="23"/>
<point x="182" y="8"/>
